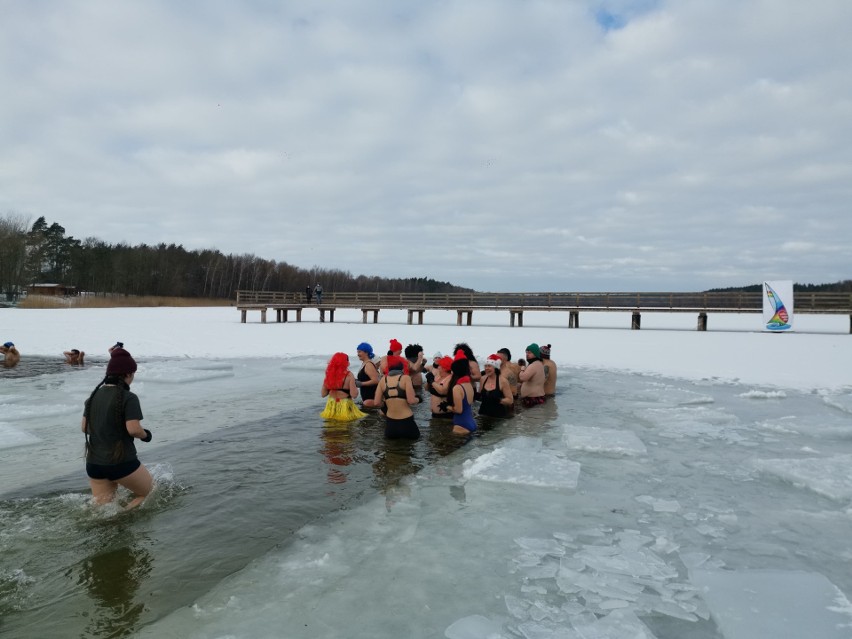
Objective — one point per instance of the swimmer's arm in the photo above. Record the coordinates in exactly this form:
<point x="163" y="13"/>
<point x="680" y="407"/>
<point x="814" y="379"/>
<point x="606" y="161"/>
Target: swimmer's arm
<point x="353" y="389"/>
<point x="83" y="425"/>
<point x="373" y="374"/>
<point x="457" y="406"/>
<point x="134" y="429"/>
<point x="324" y="390"/>
<point x="410" y="397"/>
<point x="379" y="398"/>
<point x="508" y="398"/>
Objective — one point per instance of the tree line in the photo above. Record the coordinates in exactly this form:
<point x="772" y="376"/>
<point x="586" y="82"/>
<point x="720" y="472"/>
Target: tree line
<point x="43" y="253"/>
<point x="843" y="286"/>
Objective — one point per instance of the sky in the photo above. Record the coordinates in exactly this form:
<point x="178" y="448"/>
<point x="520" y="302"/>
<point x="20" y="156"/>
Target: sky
<point x="594" y="145"/>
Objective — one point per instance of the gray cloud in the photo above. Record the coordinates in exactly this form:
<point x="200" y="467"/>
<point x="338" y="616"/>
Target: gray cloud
<point x="498" y="145"/>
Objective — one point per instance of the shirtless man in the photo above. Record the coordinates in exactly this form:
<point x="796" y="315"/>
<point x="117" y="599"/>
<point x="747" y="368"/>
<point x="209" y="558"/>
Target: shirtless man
<point x="509" y="370"/>
<point x="549" y="371"/>
<point x="532" y="378"/>
<point x="416" y="365"/>
<point x="12" y="356"/>
<point x="74" y="357"/>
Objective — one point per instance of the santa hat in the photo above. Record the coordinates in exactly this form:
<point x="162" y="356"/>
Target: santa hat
<point x="459" y="355"/>
<point x="446" y="363"/>
<point x="395" y="345"/>
<point x="494" y="360"/>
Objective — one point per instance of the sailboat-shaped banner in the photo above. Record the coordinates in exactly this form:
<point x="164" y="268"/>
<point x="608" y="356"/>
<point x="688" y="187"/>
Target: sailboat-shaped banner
<point x="778" y="306"/>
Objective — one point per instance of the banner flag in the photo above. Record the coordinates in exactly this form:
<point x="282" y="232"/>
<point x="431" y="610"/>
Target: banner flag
<point x="778" y="305"/>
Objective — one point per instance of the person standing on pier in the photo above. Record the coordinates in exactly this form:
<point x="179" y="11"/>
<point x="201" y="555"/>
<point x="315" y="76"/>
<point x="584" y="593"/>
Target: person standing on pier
<point x="318" y="292"/>
<point x="308" y="293"/>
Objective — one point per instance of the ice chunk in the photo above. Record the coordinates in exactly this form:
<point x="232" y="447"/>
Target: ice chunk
<point x="758" y="604"/>
<point x="474" y="627"/>
<point x="827" y="476"/>
<point x="619" y="624"/>
<point x="756" y="394"/>
<point x="541" y="546"/>
<point x="660" y="505"/>
<point x="604" y="440"/>
<point x="524" y="467"/>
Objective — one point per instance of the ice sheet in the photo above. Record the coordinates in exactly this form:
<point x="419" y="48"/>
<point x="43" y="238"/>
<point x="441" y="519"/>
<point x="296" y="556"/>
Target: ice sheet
<point x="513" y="465"/>
<point x="768" y="604"/>
<point x="603" y="440"/>
<point x="827" y="476"/>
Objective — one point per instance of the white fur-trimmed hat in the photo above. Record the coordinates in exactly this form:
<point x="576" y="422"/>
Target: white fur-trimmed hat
<point x="493" y="360"/>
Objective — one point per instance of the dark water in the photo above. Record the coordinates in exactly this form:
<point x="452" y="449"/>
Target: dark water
<point x="224" y="498"/>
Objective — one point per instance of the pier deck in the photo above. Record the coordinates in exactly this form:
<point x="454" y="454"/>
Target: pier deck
<point x="516" y="304"/>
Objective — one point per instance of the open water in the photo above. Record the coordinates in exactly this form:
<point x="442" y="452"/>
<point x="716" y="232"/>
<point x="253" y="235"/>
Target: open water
<point x="630" y="506"/>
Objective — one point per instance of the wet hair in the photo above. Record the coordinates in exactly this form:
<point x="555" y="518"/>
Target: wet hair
<point x="336" y="371"/>
<point x="118" y="382"/>
<point x="460" y="368"/>
<point x="507" y="353"/>
<point x="464" y="348"/>
<point x="411" y="351"/>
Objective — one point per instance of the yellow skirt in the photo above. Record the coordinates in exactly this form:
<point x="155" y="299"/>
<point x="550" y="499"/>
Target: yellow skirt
<point x="343" y="410"/>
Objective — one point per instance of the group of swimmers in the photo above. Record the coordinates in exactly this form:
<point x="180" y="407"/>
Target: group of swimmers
<point x="11" y="356"/>
<point x="394" y="382"/>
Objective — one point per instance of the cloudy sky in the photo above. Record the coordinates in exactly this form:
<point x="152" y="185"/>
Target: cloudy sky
<point x="514" y="145"/>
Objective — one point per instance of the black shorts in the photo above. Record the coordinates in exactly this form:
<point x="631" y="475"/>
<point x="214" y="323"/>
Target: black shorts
<point x="401" y="428"/>
<point x="113" y="472"/>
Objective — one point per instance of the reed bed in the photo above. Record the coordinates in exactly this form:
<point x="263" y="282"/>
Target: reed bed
<point x="116" y="301"/>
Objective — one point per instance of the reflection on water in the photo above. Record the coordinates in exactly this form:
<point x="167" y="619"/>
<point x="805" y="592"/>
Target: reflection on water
<point x="113" y="576"/>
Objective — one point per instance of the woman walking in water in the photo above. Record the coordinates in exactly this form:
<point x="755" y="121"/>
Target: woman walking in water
<point x="339" y="386"/>
<point x="111" y="422"/>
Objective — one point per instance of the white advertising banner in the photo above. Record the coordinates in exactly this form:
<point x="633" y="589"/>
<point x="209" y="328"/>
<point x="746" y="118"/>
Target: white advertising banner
<point x="778" y="306"/>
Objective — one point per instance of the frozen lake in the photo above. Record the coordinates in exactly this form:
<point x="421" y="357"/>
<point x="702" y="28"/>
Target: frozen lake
<point x="633" y="506"/>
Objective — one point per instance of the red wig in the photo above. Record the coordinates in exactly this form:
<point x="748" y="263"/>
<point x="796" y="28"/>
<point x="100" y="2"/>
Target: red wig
<point x="336" y="371"/>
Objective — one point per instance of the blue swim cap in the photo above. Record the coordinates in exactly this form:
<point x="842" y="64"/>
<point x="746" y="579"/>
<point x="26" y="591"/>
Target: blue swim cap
<point x="364" y="346"/>
<point x="8" y="344"/>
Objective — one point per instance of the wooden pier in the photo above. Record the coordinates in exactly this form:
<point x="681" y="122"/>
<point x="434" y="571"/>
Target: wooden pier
<point x="465" y="304"/>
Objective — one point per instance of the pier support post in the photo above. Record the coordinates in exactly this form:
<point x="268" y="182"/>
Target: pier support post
<point x="461" y="312"/>
<point x="574" y="319"/>
<point x="263" y="316"/>
<point x="636" y="321"/>
<point x="702" y="321"/>
<point x="513" y="315"/>
<point x="243" y="317"/>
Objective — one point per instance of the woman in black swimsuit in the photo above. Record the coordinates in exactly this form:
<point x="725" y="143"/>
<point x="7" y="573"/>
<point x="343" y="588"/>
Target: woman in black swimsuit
<point x="396" y="393"/>
<point x="367" y="379"/>
<point x="495" y="393"/>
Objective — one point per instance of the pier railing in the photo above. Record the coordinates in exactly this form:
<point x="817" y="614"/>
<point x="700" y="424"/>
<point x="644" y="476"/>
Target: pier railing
<point x="517" y="303"/>
<point x="840" y="303"/>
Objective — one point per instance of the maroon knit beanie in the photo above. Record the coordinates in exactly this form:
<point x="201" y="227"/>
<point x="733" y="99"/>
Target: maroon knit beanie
<point x="120" y="363"/>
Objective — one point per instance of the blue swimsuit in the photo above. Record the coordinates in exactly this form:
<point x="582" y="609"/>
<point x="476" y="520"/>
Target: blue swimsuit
<point x="465" y="418"/>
